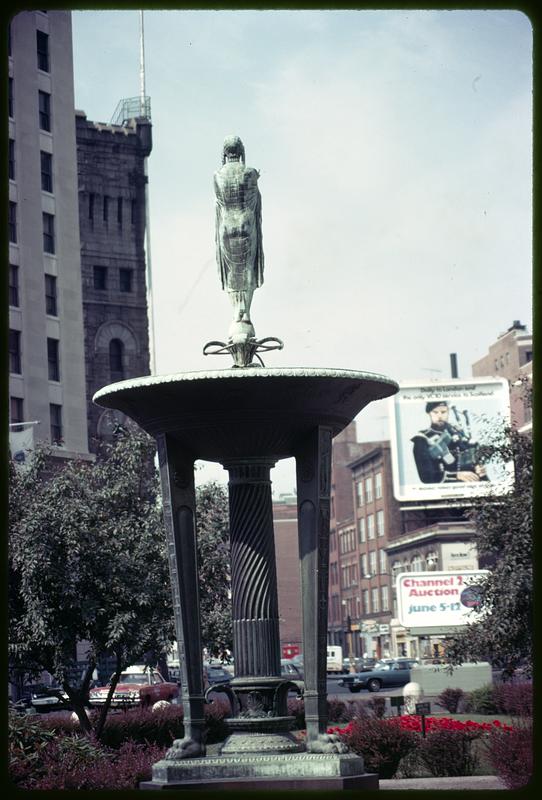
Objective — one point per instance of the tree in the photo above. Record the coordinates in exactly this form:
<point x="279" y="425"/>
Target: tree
<point x="503" y="536"/>
<point x="214" y="567"/>
<point x="87" y="562"/>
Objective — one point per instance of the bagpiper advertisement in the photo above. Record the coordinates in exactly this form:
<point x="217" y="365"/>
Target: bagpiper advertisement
<point x="437" y="430"/>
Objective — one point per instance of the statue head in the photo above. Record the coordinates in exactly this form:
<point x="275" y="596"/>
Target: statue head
<point x="233" y="147"/>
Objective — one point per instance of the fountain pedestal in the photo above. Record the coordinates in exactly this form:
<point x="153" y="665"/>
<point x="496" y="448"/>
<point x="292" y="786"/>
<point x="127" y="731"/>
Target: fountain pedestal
<point x="247" y="420"/>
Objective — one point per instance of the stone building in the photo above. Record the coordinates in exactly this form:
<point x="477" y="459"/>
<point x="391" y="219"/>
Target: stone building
<point x="112" y="178"/>
<point x="288" y="575"/>
<point x="46" y="338"/>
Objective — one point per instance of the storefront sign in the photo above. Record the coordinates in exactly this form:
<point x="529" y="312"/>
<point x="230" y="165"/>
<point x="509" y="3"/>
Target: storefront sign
<point x="438" y="599"/>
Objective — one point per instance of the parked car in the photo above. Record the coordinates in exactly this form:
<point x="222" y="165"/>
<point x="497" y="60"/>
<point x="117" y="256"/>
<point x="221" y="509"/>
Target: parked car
<point x="297" y="661"/>
<point x="382" y="675"/>
<point x="138" y="685"/>
<point x="289" y="670"/>
<point x="48" y="698"/>
<point x="216" y="674"/>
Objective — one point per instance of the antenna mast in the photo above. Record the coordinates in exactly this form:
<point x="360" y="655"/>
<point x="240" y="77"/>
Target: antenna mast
<point x="143" y="113"/>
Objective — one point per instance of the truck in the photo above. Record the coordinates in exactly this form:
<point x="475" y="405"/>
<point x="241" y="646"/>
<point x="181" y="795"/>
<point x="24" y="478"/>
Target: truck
<point x="334" y="658"/>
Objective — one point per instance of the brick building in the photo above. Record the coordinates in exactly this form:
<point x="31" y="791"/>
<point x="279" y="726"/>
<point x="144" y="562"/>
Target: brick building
<point x="511" y="357"/>
<point x="377" y="520"/>
<point x="112" y="178"/>
<point x="288" y="575"/>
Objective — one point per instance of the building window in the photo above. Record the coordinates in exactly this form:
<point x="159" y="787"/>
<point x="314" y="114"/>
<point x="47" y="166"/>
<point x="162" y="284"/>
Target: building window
<point x="363" y="565"/>
<point x="15" y="352"/>
<point x="378" y="485"/>
<point x="383" y="561"/>
<point x="431" y="561"/>
<point x="42" y="42"/>
<point x="372" y="562"/>
<point x="369" y="489"/>
<point x="10" y="97"/>
<point x="44" y="111"/>
<point x="366" y="601"/>
<point x="380" y="523"/>
<point x="359" y="493"/>
<point x="46" y="171"/>
<point x="55" y="412"/>
<point x="375" y="602"/>
<point x="50" y="296"/>
<point x="91" y="205"/>
<point x="12" y="222"/>
<point x="528" y="356"/>
<point x="416" y="563"/>
<point x="125" y="281"/>
<point x="371" y="526"/>
<point x="133" y="212"/>
<point x="106" y="208"/>
<point x="16" y="410"/>
<point x="116" y="366"/>
<point x="361" y="528"/>
<point x="11" y="159"/>
<point x="14" y="285"/>
<point x="48" y="233"/>
<point x="53" y="361"/>
<point x="119" y="211"/>
<point x="100" y="278"/>
<point x="385" y="593"/>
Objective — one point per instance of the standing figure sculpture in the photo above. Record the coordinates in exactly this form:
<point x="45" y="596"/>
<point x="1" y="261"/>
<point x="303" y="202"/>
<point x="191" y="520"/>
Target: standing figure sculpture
<point x="239" y="250"/>
<point x="239" y="253"/>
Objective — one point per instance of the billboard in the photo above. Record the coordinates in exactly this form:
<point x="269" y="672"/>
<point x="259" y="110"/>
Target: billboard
<point x="437" y="599"/>
<point x="436" y="431"/>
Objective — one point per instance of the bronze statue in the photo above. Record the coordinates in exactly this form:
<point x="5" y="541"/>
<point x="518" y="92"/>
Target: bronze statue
<point x="239" y="250"/>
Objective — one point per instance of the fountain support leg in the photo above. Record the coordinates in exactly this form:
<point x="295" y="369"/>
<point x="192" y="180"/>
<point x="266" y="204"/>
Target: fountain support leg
<point x="313" y="471"/>
<point x="253" y="570"/>
<point x="179" y="509"/>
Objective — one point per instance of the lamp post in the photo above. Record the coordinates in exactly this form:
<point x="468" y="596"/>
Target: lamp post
<point x="349" y="653"/>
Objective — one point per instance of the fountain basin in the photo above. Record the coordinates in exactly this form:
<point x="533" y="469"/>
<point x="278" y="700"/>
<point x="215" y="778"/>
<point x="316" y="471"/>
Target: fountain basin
<point x="242" y="413"/>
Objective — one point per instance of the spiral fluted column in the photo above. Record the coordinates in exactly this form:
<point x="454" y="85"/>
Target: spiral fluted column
<point x="255" y="610"/>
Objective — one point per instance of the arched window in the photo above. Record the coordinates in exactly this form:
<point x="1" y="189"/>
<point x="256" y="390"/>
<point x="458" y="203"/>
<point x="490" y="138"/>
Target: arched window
<point x="116" y="367"/>
<point x="416" y="563"/>
<point x="431" y="560"/>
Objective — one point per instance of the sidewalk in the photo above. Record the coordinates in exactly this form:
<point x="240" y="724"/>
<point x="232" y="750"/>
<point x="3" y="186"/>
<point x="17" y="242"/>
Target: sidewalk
<point x="466" y="782"/>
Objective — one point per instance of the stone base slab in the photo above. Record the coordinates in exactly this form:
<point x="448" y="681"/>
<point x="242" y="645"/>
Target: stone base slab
<point x="337" y="783"/>
<point x="255" y="767"/>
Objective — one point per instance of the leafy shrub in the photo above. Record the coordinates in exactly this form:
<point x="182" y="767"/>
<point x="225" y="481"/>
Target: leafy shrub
<point x="514" y="698"/>
<point x="481" y="701"/>
<point x="447" y="752"/>
<point x="377" y="705"/>
<point x="296" y="709"/>
<point x="511" y="755"/>
<point x="337" y="711"/>
<point x="141" y="725"/>
<point x="450" y="699"/>
<point x="381" y="744"/>
<point x="121" y="769"/>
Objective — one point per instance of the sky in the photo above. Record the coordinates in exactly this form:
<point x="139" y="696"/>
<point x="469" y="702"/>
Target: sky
<point x="395" y="159"/>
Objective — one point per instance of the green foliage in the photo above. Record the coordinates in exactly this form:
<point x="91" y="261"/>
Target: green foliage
<point x="481" y="701"/>
<point x="450" y="699"/>
<point x="87" y="561"/>
<point x="504" y="537"/>
<point x="213" y="529"/>
<point x="446" y="753"/>
<point x="381" y="745"/>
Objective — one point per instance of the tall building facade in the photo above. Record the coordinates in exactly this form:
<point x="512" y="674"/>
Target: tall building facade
<point x="46" y="339"/>
<point x="511" y="357"/>
<point x="112" y="179"/>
